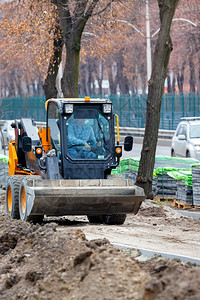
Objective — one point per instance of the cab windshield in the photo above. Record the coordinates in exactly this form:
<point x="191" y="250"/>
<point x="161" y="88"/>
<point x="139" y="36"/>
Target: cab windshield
<point x="88" y="135"/>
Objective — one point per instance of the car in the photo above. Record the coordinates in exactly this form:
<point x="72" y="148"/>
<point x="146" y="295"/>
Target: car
<point x="8" y="134"/>
<point x="186" y="139"/>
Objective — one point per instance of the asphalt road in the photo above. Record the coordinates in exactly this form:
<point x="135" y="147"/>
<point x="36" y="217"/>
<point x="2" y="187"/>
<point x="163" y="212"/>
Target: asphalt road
<point x="136" y="151"/>
<point x="2" y="151"/>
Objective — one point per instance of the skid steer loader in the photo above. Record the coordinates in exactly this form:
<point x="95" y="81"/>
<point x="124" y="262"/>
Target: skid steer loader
<point x="64" y="168"/>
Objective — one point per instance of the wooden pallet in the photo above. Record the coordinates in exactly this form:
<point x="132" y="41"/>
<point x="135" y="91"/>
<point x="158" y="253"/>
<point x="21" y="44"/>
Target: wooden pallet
<point x="182" y="205"/>
<point x="164" y="199"/>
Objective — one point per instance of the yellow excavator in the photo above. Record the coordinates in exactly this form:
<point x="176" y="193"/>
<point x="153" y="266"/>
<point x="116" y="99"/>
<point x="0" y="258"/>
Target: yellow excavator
<point x="64" y="168"/>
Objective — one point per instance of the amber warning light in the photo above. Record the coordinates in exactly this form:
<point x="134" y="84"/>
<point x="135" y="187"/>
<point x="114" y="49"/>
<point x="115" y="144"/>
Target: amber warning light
<point x="118" y="150"/>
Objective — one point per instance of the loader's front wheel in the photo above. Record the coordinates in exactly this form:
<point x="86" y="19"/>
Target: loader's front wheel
<point x="24" y="203"/>
<point x="117" y="219"/>
<point x="97" y="219"/>
<point x="12" y="196"/>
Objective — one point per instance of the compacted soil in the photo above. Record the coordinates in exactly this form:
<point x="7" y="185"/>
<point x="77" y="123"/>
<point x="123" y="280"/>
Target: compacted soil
<point x="68" y="258"/>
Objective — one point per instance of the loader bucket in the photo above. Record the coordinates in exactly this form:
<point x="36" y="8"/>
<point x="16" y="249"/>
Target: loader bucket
<point x="80" y="197"/>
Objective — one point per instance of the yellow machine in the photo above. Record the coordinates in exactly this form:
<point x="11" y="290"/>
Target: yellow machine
<point x="65" y="168"/>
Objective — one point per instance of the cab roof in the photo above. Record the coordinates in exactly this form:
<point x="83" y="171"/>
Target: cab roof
<point x="87" y="100"/>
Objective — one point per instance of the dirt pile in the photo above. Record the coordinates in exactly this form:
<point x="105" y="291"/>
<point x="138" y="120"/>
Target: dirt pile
<point x="149" y="208"/>
<point x="37" y="262"/>
<point x="42" y="262"/>
<point x="171" y="280"/>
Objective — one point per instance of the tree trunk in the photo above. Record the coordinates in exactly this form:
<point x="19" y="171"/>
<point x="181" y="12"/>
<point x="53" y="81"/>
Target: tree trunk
<point x="69" y="82"/>
<point x="121" y="78"/>
<point x="180" y="78"/>
<point x="27" y="86"/>
<point x="174" y="85"/>
<point x="11" y="89"/>
<point x="112" y="81"/>
<point x="154" y="99"/>
<point x="89" y="83"/>
<point x="34" y="89"/>
<point x="98" y="74"/>
<point x="49" y="86"/>
<point x="169" y="89"/>
<point x="192" y="75"/>
<point x="40" y="90"/>
<point x="18" y="85"/>
<point x="83" y="80"/>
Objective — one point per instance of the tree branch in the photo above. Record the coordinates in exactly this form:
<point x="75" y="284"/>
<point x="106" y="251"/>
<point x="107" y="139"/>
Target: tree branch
<point x="64" y="12"/>
<point x="79" y="10"/>
<point x="104" y="9"/>
<point x="90" y="9"/>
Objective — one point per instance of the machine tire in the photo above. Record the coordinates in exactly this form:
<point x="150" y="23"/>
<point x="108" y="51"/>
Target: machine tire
<point x="98" y="219"/>
<point x="12" y="196"/>
<point x="188" y="154"/>
<point x="173" y="153"/>
<point x="117" y="219"/>
<point x="23" y="204"/>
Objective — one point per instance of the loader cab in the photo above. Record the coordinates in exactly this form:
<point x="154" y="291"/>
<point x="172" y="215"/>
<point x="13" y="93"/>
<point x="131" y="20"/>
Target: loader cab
<point x="88" y="135"/>
<point x="82" y="135"/>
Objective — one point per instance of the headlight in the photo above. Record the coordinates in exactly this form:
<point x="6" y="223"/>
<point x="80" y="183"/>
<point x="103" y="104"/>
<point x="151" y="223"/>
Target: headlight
<point x="107" y="108"/>
<point x="197" y="147"/>
<point x="69" y="108"/>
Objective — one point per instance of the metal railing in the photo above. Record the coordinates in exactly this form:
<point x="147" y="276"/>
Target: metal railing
<point x="130" y="109"/>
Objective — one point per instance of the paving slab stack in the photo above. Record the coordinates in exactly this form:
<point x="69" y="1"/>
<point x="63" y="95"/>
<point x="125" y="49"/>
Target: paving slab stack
<point x="3" y="170"/>
<point x="172" y="176"/>
<point x="131" y="171"/>
<point x="166" y="186"/>
<point x="184" y="193"/>
<point x="169" y="172"/>
<point x="196" y="184"/>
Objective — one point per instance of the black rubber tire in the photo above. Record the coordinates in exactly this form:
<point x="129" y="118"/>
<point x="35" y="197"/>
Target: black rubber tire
<point x="36" y="219"/>
<point x="173" y="153"/>
<point x="188" y="154"/>
<point x="23" y="206"/>
<point x="117" y="219"/>
<point x="98" y="219"/>
<point x="12" y="195"/>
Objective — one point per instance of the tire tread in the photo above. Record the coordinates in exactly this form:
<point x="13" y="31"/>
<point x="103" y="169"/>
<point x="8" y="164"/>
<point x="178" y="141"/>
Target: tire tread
<point x="16" y="180"/>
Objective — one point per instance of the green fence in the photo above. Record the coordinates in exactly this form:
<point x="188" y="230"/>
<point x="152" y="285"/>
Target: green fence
<point x="16" y="108"/>
<point x="131" y="109"/>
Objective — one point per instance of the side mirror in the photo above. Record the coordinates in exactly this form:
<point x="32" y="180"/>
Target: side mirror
<point x="181" y="137"/>
<point x="26" y="144"/>
<point x="128" y="143"/>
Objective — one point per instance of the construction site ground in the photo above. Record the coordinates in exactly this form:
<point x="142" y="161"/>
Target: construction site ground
<point x="68" y="258"/>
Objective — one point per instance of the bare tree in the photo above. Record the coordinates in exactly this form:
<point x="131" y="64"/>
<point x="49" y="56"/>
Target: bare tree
<point x="156" y="87"/>
<point x="73" y="20"/>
